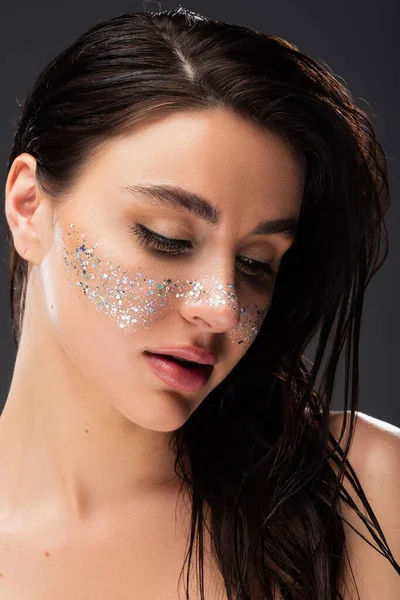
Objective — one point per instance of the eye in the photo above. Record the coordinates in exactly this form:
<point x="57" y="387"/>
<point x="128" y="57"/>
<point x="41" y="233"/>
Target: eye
<point x="159" y="243"/>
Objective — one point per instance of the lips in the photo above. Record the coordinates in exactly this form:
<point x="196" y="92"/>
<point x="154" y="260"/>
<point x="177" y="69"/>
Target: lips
<point x="178" y="374"/>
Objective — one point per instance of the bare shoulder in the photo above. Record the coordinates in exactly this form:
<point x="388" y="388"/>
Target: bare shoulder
<point x="375" y="457"/>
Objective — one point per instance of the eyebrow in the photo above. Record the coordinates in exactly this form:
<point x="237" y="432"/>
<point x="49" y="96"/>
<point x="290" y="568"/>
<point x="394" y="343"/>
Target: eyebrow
<point x="172" y="196"/>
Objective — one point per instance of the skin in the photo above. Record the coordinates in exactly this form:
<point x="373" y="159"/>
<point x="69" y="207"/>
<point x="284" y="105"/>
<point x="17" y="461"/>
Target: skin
<point x="88" y="489"/>
<point x="91" y="366"/>
<point x="94" y="420"/>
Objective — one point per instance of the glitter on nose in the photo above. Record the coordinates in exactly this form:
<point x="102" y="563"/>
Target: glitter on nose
<point x="139" y="300"/>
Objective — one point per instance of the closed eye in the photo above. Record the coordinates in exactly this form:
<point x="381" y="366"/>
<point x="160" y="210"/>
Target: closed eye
<point x="253" y="268"/>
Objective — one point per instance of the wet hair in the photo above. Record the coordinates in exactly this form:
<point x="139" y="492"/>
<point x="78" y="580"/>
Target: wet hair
<point x="258" y="452"/>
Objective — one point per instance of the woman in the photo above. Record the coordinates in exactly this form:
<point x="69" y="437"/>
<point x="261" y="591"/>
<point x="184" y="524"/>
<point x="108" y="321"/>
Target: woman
<point x="181" y="188"/>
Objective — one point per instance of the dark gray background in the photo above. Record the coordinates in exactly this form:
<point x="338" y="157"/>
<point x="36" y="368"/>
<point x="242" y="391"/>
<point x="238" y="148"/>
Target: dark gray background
<point x="356" y="39"/>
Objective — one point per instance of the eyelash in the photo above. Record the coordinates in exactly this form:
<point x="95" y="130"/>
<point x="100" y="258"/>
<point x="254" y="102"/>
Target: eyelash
<point x="178" y="247"/>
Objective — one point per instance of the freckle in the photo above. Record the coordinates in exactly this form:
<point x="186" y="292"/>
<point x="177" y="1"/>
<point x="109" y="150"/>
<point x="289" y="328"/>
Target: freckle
<point x="46" y="553"/>
<point x="87" y="430"/>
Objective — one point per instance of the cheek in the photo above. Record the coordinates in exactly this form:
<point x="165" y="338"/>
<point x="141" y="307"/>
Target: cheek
<point x="95" y="354"/>
<point x="129" y="298"/>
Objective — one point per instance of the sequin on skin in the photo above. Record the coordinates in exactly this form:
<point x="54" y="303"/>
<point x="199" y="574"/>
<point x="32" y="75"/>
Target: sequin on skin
<point x="137" y="303"/>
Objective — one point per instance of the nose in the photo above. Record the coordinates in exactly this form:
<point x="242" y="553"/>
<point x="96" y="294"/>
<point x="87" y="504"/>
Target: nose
<point x="212" y="303"/>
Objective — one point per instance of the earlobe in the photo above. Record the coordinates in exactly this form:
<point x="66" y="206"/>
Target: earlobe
<point x="22" y="199"/>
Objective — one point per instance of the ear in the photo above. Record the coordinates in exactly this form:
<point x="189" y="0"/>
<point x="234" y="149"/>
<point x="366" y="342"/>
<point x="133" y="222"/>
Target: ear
<point x="25" y="209"/>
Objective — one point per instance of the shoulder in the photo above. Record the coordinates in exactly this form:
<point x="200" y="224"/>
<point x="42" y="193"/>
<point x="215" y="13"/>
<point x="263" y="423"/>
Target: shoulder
<point x="375" y="457"/>
<point x="375" y="448"/>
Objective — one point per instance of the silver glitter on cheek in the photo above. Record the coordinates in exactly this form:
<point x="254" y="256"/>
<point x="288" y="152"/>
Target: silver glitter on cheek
<point x="136" y="301"/>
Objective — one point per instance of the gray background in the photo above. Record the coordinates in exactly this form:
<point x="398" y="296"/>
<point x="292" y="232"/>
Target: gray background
<point x="356" y="39"/>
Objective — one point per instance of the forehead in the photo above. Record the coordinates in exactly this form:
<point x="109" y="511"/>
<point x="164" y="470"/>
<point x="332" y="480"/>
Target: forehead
<point x="215" y="153"/>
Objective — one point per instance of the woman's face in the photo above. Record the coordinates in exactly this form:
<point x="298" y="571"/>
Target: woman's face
<point x="114" y="290"/>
